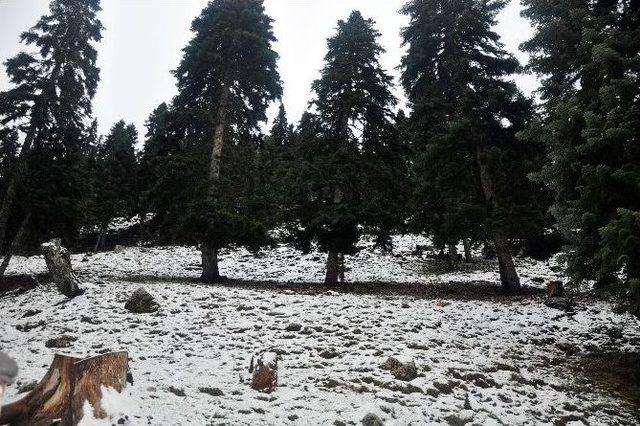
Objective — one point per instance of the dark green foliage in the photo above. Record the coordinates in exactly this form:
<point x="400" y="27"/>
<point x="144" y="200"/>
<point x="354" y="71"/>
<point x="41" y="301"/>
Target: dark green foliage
<point x="115" y="185"/>
<point x="350" y="165"/>
<point x="587" y="54"/>
<point x="466" y="115"/>
<point x="226" y="79"/>
<point x="50" y="105"/>
<point x="231" y="48"/>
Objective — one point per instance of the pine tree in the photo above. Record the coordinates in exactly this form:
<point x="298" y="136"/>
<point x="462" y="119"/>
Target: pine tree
<point x="469" y="169"/>
<point x="586" y="54"/>
<point x="348" y="151"/>
<point x="226" y="80"/>
<point x="116" y="187"/>
<point x="49" y="103"/>
<point x="151" y="159"/>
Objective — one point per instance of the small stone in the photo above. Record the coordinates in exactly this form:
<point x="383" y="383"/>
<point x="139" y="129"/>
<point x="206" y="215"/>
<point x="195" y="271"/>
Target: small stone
<point x="141" y="302"/>
<point x="211" y="391"/>
<point x="372" y="420"/>
<point x="27" y="387"/>
<point x="401" y="370"/>
<point x="176" y="391"/>
<point x="60" y="342"/>
<point x="328" y="354"/>
<point x="293" y="327"/>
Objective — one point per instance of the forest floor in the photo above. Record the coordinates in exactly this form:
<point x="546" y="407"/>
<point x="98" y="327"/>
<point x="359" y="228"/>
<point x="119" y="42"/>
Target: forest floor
<point x="483" y="358"/>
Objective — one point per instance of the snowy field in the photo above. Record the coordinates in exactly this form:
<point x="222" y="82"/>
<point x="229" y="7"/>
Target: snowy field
<point x="488" y="361"/>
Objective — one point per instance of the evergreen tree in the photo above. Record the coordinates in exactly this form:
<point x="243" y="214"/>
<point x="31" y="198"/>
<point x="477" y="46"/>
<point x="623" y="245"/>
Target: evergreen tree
<point x="470" y="169"/>
<point x="586" y="54"/>
<point x="116" y="186"/>
<point x="49" y="104"/>
<point x="226" y="79"/>
<point x="349" y="163"/>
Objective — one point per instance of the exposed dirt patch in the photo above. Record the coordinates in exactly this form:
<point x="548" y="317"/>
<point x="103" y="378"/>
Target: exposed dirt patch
<point x="450" y="291"/>
<point x="16" y="284"/>
<point x="617" y="371"/>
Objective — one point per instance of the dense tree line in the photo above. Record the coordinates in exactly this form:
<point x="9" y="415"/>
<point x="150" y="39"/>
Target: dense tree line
<point x="472" y="161"/>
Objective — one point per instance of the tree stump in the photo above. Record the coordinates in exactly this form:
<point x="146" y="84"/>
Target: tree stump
<point x="555" y="289"/>
<point x="59" y="265"/>
<point x="265" y="373"/>
<point x="61" y="394"/>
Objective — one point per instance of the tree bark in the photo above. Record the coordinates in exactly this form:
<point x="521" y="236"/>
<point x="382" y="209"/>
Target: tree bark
<point x="62" y="393"/>
<point x="59" y="265"/>
<point x="16" y="178"/>
<point x="508" y="275"/>
<point x="468" y="258"/>
<point x="218" y="134"/>
<point x="210" y="271"/>
<point x="453" y="255"/>
<point x="341" y="267"/>
<point x="333" y="268"/>
<point x="17" y="239"/>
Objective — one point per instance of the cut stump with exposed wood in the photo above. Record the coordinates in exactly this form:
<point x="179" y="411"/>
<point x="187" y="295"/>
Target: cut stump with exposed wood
<point x="265" y="372"/>
<point x="61" y="395"/>
<point x="59" y="265"/>
<point x="555" y="289"/>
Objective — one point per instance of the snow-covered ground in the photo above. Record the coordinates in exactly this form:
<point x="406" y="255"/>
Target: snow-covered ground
<point x="490" y="361"/>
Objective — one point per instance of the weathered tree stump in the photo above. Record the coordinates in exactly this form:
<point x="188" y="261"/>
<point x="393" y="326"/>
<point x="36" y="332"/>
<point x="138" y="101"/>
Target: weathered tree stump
<point x="265" y="373"/>
<point x="61" y="394"/>
<point x="59" y="265"/>
<point x="555" y="289"/>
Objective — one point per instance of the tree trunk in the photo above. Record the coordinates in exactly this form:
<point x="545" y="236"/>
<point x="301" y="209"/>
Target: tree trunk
<point x="17" y="239"/>
<point x="64" y="390"/>
<point x="100" y="240"/>
<point x="333" y="268"/>
<point x="210" y="271"/>
<point x="341" y="267"/>
<point x="218" y="134"/>
<point x="468" y="258"/>
<point x="59" y="265"/>
<point x="453" y="255"/>
<point x="16" y="177"/>
<point x="508" y="275"/>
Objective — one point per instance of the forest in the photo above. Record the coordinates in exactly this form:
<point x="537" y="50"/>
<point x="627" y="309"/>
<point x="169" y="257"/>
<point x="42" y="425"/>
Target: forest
<point x="469" y="256"/>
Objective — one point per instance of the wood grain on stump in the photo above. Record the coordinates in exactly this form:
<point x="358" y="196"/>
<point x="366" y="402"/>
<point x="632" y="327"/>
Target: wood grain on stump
<point x="61" y="394"/>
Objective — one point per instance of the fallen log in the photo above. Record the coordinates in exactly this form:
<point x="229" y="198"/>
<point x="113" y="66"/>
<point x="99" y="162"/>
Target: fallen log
<point x="59" y="265"/>
<point x="60" y="396"/>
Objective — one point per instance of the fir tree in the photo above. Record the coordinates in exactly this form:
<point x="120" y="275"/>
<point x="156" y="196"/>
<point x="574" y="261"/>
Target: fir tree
<point x="226" y="80"/>
<point x="470" y="169"/>
<point x="348" y="151"/>
<point x="586" y="54"/>
<point x="116" y="186"/>
<point x="49" y="103"/>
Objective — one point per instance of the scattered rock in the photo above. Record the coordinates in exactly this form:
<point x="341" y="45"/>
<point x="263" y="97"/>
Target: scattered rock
<point x="27" y="387"/>
<point x="60" y="342"/>
<point x="211" y="391"/>
<point x="561" y="303"/>
<point x="31" y="312"/>
<point x="176" y="391"/>
<point x="372" y="420"/>
<point x="401" y="370"/>
<point x="293" y="327"/>
<point x="328" y="353"/>
<point x="141" y="302"/>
